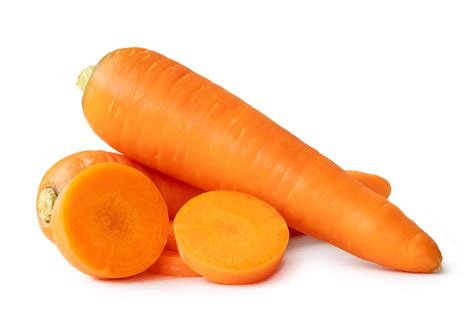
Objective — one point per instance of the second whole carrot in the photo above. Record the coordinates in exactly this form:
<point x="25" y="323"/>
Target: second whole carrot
<point x="174" y="192"/>
<point x="170" y="118"/>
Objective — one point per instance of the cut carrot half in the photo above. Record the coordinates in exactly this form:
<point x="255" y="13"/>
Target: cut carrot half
<point x="171" y="242"/>
<point x="110" y="221"/>
<point x="174" y="192"/>
<point x="170" y="264"/>
<point x="230" y="237"/>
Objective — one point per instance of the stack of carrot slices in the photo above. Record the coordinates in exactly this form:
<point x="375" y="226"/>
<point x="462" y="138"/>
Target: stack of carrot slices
<point x="110" y="221"/>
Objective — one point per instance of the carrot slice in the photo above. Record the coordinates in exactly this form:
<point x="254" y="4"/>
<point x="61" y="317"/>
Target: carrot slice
<point x="230" y="237"/>
<point x="110" y="221"/>
<point x="171" y="242"/>
<point x="170" y="264"/>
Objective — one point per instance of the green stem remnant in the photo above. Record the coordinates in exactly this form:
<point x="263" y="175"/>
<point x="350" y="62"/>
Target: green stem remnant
<point x="84" y="77"/>
<point x="46" y="201"/>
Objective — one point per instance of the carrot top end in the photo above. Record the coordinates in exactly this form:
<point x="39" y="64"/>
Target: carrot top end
<point x="46" y="200"/>
<point x="84" y="77"/>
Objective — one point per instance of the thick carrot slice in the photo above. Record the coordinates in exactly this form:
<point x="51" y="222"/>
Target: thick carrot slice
<point x="170" y="264"/>
<point x="174" y="192"/>
<point x="230" y="237"/>
<point x="110" y="221"/>
<point x="172" y="119"/>
<point x="171" y="242"/>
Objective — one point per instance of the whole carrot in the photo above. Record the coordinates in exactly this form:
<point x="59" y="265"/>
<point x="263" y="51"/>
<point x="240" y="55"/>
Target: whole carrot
<point x="168" y="117"/>
<point x="174" y="192"/>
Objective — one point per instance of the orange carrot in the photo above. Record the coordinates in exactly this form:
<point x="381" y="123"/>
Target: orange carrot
<point x="170" y="118"/>
<point x="110" y="221"/>
<point x="174" y="192"/>
<point x="171" y="242"/>
<point x="371" y="181"/>
<point x="170" y="264"/>
<point x="230" y="237"/>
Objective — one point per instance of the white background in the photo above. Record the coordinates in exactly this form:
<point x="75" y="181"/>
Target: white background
<point x="381" y="86"/>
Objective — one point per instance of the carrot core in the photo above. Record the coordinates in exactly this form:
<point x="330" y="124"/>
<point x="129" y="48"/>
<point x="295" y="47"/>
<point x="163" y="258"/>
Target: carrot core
<point x="46" y="200"/>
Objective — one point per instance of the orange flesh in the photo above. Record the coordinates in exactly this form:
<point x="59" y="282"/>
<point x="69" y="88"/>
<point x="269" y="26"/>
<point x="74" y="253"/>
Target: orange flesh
<point x="170" y="264"/>
<point x="230" y="237"/>
<point x="110" y="221"/>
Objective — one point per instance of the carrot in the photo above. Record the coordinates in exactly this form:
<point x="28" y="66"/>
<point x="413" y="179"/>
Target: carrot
<point x="167" y="117"/>
<point x="230" y="237"/>
<point x="371" y="181"/>
<point x="170" y="264"/>
<point x="174" y="192"/>
<point x="110" y="221"/>
<point x="171" y="242"/>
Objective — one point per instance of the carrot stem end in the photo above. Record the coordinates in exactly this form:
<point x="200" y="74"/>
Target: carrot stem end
<point x="84" y="77"/>
<point x="46" y="201"/>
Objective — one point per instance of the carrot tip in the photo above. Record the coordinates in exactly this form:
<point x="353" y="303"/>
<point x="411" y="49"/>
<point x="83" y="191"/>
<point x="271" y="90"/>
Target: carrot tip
<point x="84" y="77"/>
<point x="46" y="200"/>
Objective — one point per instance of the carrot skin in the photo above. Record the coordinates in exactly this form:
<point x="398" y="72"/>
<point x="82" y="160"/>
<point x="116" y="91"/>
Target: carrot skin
<point x="167" y="117"/>
<point x="371" y="181"/>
